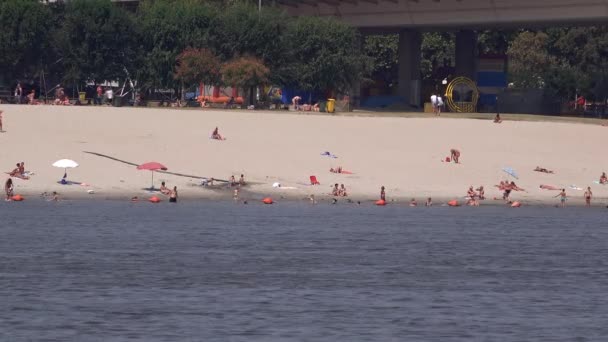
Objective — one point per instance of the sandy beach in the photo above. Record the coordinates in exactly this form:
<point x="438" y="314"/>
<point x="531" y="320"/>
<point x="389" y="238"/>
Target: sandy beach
<point x="403" y="154"/>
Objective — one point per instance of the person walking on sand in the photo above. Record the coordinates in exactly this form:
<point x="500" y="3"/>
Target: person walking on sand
<point x="8" y="189"/>
<point x="562" y="198"/>
<point x="588" y="194"/>
<point x="173" y="196"/>
<point x="434" y="103"/>
<point x="382" y="193"/>
<point x="455" y="155"/>
<point x="1" y="129"/>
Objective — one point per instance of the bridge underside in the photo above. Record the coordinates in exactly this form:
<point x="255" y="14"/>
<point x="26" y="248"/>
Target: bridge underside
<point x="389" y="14"/>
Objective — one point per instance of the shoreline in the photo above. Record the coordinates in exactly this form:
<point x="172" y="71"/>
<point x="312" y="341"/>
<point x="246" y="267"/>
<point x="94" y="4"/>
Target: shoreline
<point x="405" y="154"/>
<point x="255" y="198"/>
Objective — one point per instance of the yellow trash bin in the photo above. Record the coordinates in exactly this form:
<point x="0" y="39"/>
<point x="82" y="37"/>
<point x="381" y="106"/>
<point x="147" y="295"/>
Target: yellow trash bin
<point x="331" y="105"/>
<point x="82" y="96"/>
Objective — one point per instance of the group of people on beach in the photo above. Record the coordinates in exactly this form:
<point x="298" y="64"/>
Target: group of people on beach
<point x="339" y="191"/>
<point x="295" y="101"/>
<point x="172" y="193"/>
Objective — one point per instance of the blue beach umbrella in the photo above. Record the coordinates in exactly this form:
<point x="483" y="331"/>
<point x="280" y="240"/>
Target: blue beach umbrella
<point x="511" y="172"/>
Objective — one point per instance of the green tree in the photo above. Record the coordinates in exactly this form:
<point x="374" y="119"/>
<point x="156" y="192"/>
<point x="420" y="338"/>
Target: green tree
<point x="95" y="41"/>
<point x="245" y="72"/>
<point x="168" y="27"/>
<point x="198" y="65"/>
<point x="23" y="37"/>
<point x="323" y="55"/>
<point x="383" y="52"/>
<point x="529" y="60"/>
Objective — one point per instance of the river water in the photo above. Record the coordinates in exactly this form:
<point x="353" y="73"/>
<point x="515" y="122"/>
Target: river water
<point x="112" y="271"/>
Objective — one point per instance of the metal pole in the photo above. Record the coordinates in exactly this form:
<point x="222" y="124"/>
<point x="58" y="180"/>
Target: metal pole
<point x="259" y="5"/>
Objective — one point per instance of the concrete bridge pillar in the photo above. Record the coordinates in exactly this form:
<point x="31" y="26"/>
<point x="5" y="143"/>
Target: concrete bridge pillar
<point x="410" y="42"/>
<point x="466" y="54"/>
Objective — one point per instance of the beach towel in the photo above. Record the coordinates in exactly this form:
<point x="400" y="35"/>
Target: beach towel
<point x="549" y="187"/>
<point x="328" y="154"/>
<point x="598" y="182"/>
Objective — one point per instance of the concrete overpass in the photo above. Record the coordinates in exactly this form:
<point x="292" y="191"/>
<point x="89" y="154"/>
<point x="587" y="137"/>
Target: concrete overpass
<point x="389" y="14"/>
<point x="410" y="17"/>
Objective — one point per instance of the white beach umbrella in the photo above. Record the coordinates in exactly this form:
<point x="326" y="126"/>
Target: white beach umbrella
<point x="65" y="164"/>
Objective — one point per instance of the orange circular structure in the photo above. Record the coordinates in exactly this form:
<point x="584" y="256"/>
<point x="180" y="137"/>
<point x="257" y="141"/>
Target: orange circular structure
<point x="17" y="198"/>
<point x="267" y="200"/>
<point x="154" y="199"/>
<point x="515" y="204"/>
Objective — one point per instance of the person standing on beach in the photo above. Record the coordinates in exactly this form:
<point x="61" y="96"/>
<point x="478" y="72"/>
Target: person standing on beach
<point x="434" y="103"/>
<point x="1" y="129"/>
<point x="8" y="189"/>
<point x="173" y="196"/>
<point x="562" y="198"/>
<point x="99" y="96"/>
<point x="382" y="193"/>
<point x="455" y="155"/>
<point x="429" y="202"/>
<point x="588" y="194"/>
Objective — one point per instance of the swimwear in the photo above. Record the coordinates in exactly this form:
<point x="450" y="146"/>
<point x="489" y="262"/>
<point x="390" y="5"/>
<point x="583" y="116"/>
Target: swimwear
<point x="173" y="200"/>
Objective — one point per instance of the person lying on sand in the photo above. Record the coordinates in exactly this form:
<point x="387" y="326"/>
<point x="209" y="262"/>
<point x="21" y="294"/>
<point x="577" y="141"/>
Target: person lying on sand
<point x="216" y="135"/>
<point x="603" y="178"/>
<point x="164" y="190"/>
<point x="336" y="170"/>
<point x="1" y="130"/>
<point x="542" y="169"/>
<point x="548" y="187"/>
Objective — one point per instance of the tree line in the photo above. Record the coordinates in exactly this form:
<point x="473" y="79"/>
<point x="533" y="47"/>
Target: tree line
<point x="167" y="44"/>
<point x="94" y="40"/>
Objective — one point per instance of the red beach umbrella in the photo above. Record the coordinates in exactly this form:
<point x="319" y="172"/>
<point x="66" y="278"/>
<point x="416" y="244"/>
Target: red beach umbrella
<point x="152" y="166"/>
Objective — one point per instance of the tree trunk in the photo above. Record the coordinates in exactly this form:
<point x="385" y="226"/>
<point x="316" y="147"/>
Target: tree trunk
<point x="251" y="95"/>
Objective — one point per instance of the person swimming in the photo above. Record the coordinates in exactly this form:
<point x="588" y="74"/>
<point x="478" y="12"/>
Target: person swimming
<point x="429" y="202"/>
<point x="413" y="203"/>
